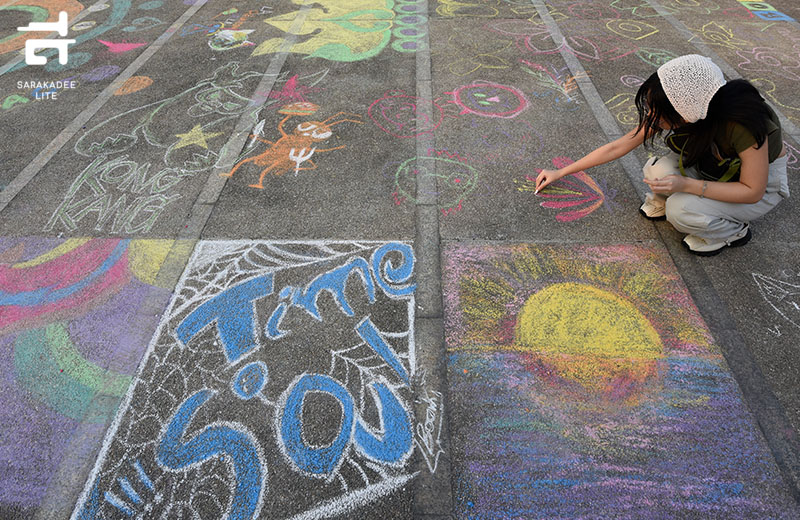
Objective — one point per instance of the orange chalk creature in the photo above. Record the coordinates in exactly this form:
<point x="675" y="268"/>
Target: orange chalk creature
<point x="295" y="149"/>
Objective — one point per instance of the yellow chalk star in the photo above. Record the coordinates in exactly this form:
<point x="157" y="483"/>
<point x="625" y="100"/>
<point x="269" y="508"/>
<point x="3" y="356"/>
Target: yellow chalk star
<point x="195" y="136"/>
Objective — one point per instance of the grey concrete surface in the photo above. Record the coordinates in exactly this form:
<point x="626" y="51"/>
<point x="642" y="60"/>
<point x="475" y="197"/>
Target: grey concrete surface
<point x="352" y="339"/>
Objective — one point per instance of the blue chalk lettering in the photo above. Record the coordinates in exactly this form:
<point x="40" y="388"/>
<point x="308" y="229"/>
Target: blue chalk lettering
<point x="391" y="274"/>
<point x="232" y="310"/>
<point x="143" y="476"/>
<point x="397" y="435"/>
<point x="369" y="333"/>
<point x="91" y="507"/>
<point x="115" y="501"/>
<point x="319" y="462"/>
<point x="273" y="328"/>
<point x="334" y="282"/>
<point x="213" y="441"/>
<point x="128" y="489"/>
<point x="250" y="380"/>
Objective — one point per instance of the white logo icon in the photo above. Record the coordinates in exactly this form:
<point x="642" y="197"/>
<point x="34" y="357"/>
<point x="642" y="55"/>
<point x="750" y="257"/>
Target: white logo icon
<point x="31" y="46"/>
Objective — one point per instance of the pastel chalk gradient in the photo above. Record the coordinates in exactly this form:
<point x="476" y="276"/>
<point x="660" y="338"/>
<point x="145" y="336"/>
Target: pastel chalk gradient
<point x="585" y="384"/>
<point x="71" y="337"/>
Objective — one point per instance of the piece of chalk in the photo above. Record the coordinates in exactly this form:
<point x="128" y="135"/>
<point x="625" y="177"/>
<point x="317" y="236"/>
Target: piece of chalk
<point x="535" y="192"/>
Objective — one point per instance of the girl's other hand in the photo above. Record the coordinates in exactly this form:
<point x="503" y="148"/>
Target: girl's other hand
<point x="667" y="184"/>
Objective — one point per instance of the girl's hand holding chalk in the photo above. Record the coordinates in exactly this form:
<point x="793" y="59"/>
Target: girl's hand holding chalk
<point x="544" y="178"/>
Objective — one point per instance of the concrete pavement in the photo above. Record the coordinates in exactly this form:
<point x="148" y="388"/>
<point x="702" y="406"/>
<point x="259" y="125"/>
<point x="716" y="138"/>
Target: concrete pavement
<point x="284" y="260"/>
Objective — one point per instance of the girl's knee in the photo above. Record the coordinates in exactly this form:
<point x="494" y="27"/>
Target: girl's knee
<point x="684" y="214"/>
<point x="661" y="167"/>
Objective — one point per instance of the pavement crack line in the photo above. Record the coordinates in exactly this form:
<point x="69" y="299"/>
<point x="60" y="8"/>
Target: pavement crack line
<point x="433" y="494"/>
<point x="48" y="152"/>
<point x="760" y="399"/>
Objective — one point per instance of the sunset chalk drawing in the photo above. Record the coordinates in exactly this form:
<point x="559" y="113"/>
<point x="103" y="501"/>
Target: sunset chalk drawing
<point x="586" y="384"/>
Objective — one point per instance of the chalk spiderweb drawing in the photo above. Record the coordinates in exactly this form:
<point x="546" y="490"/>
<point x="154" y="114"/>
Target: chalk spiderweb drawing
<point x="176" y="377"/>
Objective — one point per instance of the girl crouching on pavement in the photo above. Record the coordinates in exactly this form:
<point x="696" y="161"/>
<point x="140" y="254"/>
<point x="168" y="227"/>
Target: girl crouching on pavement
<point x="727" y="162"/>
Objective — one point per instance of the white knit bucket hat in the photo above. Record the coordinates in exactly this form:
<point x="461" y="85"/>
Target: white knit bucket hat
<point x="690" y="82"/>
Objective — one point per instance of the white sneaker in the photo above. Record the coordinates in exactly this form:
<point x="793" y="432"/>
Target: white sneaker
<point x="704" y="247"/>
<point x="654" y="207"/>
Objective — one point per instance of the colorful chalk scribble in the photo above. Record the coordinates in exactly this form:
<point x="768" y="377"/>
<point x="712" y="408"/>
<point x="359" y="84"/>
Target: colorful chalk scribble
<point x="71" y="345"/>
<point x="570" y="192"/>
<point x="589" y="387"/>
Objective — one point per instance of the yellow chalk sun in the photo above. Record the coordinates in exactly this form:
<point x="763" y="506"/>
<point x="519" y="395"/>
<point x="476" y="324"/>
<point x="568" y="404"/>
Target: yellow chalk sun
<point x="589" y="336"/>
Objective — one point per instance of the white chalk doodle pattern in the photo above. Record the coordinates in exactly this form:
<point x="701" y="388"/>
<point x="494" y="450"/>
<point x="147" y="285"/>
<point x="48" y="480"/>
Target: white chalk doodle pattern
<point x="782" y="296"/>
<point x="277" y="385"/>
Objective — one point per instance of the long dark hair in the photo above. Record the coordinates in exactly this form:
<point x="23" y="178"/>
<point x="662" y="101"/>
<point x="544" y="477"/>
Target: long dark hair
<point x="737" y="101"/>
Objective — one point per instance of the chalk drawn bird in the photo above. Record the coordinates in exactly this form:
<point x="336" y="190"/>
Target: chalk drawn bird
<point x="784" y="297"/>
<point x="292" y="150"/>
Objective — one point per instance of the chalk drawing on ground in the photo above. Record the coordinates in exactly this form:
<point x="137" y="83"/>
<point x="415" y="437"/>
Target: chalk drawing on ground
<point x="448" y="179"/>
<point x="355" y="31"/>
<point x="125" y="190"/>
<point x="558" y="84"/>
<point x="71" y="337"/>
<point x="277" y="385"/>
<point x="397" y="114"/>
<point x="293" y="151"/>
<point x="587" y="384"/>
<point x="472" y="55"/>
<point x="568" y="194"/>
<point x="782" y="296"/>
<point x="487" y="99"/>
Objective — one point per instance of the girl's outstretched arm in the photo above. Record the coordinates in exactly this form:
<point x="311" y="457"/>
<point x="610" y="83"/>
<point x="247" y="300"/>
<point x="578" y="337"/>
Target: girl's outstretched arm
<point x="606" y="153"/>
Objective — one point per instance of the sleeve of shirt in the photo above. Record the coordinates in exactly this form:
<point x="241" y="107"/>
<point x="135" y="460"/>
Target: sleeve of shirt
<point x="740" y="138"/>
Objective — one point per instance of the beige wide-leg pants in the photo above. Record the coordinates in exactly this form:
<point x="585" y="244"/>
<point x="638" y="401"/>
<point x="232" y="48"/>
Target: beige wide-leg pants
<point x="712" y="219"/>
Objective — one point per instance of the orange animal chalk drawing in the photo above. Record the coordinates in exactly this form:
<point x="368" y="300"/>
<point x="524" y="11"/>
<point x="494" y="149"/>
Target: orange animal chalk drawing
<point x="295" y="149"/>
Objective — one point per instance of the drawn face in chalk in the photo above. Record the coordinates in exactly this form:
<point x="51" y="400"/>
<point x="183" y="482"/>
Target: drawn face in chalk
<point x="490" y="100"/>
<point x="448" y="180"/>
<point x="397" y="114"/>
<point x="313" y="129"/>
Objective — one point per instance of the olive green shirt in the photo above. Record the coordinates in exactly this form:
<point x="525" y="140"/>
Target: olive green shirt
<point x="724" y="163"/>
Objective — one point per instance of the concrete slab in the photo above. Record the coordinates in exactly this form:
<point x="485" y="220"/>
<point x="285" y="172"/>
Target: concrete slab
<point x="323" y="166"/>
<point x="761" y="295"/>
<point x="296" y="402"/>
<point x="33" y="116"/>
<point x="579" y="375"/>
<point x="140" y="162"/>
<point x="500" y="133"/>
